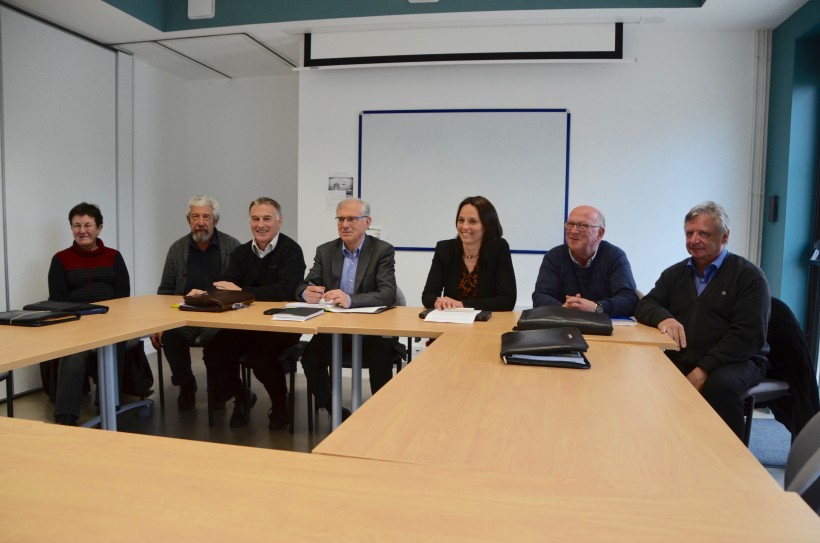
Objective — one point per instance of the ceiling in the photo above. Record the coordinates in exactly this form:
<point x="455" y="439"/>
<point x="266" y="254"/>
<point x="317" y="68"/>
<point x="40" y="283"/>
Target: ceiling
<point x="249" y="38"/>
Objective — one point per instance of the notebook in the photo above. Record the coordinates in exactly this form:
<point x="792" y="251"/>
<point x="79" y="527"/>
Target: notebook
<point x="294" y="313"/>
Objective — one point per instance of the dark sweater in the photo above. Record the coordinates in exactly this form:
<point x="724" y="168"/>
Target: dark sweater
<point x="270" y="279"/>
<point x="76" y="275"/>
<point x="727" y="323"/>
<point x="607" y="281"/>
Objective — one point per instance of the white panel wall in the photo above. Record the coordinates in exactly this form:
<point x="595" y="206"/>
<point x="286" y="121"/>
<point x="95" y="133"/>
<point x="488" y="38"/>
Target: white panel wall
<point x="235" y="140"/>
<point x="58" y="148"/>
<point x="160" y="159"/>
<point x="242" y="145"/>
<point x="649" y="139"/>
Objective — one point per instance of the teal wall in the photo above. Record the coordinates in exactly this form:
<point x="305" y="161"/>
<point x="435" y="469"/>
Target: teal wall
<point x="792" y="154"/>
<point x="171" y="15"/>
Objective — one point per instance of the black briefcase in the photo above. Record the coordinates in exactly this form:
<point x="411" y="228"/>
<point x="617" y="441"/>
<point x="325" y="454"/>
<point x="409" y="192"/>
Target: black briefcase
<point x="555" y="316"/>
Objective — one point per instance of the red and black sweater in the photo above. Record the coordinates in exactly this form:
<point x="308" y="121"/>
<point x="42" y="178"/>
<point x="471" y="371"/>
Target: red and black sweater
<point x="76" y="275"/>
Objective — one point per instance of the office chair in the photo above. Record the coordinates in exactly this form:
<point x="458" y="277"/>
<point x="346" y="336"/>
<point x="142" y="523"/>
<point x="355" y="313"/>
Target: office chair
<point x="790" y="388"/>
<point x="401" y="353"/>
<point x="803" y="465"/>
<point x="8" y="377"/>
<point x="766" y="391"/>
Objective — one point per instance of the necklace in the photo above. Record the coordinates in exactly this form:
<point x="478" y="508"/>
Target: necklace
<point x="469" y="257"/>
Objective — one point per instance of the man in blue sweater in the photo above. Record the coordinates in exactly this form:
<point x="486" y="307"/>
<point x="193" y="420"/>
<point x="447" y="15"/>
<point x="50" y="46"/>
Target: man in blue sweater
<point x="715" y="305"/>
<point x="586" y="272"/>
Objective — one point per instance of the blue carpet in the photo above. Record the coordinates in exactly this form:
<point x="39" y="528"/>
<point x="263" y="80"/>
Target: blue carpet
<point x="770" y="442"/>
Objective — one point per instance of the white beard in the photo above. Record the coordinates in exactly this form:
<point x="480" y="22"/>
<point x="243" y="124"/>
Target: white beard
<point x="201" y="237"/>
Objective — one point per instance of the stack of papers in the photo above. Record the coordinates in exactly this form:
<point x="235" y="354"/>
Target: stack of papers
<point x="374" y="309"/>
<point x="461" y="315"/>
<point x="624" y="321"/>
<point x="333" y="308"/>
<point x="320" y="305"/>
<point x="297" y="313"/>
<point x="565" y="359"/>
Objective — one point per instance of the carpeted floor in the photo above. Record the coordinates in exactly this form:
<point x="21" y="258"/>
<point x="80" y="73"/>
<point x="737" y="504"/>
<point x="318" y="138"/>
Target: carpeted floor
<point x="770" y="442"/>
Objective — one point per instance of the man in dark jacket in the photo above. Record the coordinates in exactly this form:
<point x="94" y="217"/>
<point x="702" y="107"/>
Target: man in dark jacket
<point x="194" y="261"/>
<point x="269" y="267"/>
<point x="715" y="305"/>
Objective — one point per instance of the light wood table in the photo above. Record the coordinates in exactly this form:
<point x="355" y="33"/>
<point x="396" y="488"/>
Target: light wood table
<point x="631" y="418"/>
<point x="404" y="321"/>
<point x="127" y="319"/>
<point x="74" y="484"/>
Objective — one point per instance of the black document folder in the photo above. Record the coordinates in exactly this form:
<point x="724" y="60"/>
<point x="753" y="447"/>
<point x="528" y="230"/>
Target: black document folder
<point x="77" y="308"/>
<point x="35" y="318"/>
<point x="559" y="347"/>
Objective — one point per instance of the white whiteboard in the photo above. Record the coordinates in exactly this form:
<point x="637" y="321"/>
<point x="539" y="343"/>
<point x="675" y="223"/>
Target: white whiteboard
<point x="415" y="167"/>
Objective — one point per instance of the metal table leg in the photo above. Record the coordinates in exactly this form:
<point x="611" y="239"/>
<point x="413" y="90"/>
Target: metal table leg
<point x="109" y="389"/>
<point x="336" y="371"/>
<point x="356" y="369"/>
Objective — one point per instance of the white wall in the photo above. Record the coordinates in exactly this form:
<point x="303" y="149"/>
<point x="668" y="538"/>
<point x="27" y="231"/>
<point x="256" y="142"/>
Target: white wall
<point x="243" y="144"/>
<point x="233" y="139"/>
<point x="59" y="149"/>
<point x="160" y="174"/>
<point x="649" y="139"/>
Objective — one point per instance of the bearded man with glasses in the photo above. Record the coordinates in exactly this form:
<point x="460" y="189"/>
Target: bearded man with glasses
<point x="586" y="272"/>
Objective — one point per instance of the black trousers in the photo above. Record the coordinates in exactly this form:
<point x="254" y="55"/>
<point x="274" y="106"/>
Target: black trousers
<point x="724" y="389"/>
<point x="261" y="351"/>
<point x="177" y="343"/>
<point x="377" y="354"/>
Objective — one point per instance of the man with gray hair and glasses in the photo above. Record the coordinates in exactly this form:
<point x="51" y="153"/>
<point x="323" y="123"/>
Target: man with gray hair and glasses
<point x="715" y="305"/>
<point x="194" y="262"/>
<point x="355" y="270"/>
<point x="586" y="272"/>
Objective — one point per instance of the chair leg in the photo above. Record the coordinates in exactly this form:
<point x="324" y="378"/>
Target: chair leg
<point x="292" y="397"/>
<point x="10" y="394"/>
<point x="209" y="394"/>
<point x="159" y="377"/>
<point x="749" y="411"/>
<point x="310" y="412"/>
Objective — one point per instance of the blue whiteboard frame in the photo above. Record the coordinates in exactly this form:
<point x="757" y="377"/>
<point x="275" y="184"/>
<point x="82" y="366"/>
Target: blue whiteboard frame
<point x="495" y="110"/>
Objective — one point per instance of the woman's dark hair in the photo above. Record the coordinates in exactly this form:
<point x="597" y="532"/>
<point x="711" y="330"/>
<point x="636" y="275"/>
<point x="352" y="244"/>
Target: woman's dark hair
<point x="84" y="208"/>
<point x="487" y="214"/>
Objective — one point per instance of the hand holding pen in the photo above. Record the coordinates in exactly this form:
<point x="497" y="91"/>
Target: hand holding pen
<point x="313" y="293"/>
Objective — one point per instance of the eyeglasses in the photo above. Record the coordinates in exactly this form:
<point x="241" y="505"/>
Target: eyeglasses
<point x="351" y="220"/>
<point x="582" y="227"/>
<point x="87" y="226"/>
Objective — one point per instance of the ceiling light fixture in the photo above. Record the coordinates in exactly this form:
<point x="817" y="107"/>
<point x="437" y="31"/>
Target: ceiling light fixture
<point x="201" y="9"/>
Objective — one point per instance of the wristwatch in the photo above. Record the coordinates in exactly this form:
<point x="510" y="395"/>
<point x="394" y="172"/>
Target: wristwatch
<point x="599" y="308"/>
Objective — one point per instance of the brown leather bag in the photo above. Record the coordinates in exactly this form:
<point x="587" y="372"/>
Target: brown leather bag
<point x="217" y="301"/>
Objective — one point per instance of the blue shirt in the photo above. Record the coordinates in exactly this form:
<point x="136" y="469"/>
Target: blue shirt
<point x="702" y="280"/>
<point x="349" y="266"/>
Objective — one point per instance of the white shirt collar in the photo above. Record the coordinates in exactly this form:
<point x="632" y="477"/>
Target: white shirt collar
<point x="268" y="248"/>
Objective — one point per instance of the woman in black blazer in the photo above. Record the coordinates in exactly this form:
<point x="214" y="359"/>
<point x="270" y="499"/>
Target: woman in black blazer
<point x="475" y="269"/>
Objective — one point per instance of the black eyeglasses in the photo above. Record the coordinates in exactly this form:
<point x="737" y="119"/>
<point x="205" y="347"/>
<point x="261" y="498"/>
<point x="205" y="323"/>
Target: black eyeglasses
<point x="351" y="220"/>
<point x="581" y="226"/>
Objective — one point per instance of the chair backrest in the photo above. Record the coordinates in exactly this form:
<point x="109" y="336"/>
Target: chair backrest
<point x="400" y="299"/>
<point x="803" y="465"/>
<point x="790" y="361"/>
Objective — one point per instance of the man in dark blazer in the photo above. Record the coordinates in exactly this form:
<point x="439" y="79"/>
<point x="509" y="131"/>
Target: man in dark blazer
<point x="355" y="270"/>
